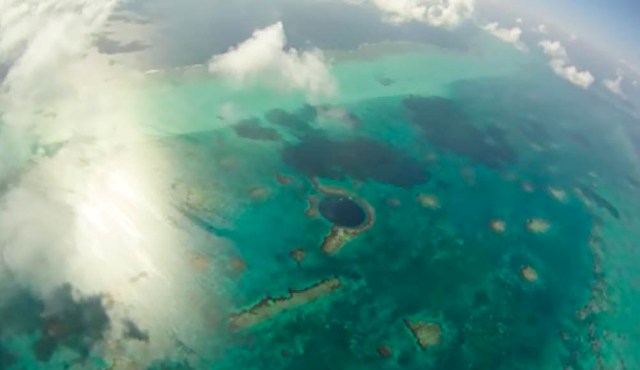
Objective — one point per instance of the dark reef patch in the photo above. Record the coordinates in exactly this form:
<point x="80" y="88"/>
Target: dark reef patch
<point x="445" y="125"/>
<point x="6" y="358"/>
<point x="386" y="81"/>
<point x="59" y="321"/>
<point x="535" y="131"/>
<point x="581" y="139"/>
<point x="599" y="201"/>
<point x="359" y="158"/>
<point x="342" y="211"/>
<point x="307" y="113"/>
<point x="74" y="324"/>
<point x="288" y="120"/>
<point x="132" y="331"/>
<point x="633" y="182"/>
<point x="170" y="365"/>
<point x="20" y="313"/>
<point x="251" y="129"/>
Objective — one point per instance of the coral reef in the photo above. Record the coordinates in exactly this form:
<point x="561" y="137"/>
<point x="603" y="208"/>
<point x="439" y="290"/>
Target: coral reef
<point x="259" y="193"/>
<point x="384" y="351"/>
<point x="428" y="201"/>
<point x="298" y="255"/>
<point x="529" y="274"/>
<point x="339" y="236"/>
<point x="426" y="334"/>
<point x="498" y="226"/>
<point x="312" y="207"/>
<point x="557" y="194"/>
<point x="283" y="179"/>
<point x="269" y="307"/>
<point x="538" y="225"/>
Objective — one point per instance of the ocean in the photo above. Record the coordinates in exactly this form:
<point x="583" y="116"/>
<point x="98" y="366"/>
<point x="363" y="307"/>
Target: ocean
<point x="501" y="213"/>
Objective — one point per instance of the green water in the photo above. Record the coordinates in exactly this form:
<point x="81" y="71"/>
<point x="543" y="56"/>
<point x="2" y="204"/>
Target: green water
<point x="442" y="265"/>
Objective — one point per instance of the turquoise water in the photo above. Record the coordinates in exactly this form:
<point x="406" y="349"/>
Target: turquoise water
<point x="488" y="135"/>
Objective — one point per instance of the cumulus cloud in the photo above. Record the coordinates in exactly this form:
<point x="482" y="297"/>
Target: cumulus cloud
<point x="508" y="35"/>
<point x="560" y="64"/>
<point x="264" y="57"/>
<point x="437" y="13"/>
<point x="614" y="85"/>
<point x="583" y="79"/>
<point x="554" y="49"/>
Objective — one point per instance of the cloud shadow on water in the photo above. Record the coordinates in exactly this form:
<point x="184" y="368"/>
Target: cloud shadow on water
<point x="358" y="158"/>
<point x="252" y="130"/>
<point x="61" y="319"/>
<point x="446" y="125"/>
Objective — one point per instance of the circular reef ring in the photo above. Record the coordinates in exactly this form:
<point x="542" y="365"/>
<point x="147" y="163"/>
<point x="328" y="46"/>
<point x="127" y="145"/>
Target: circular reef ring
<point x="343" y="211"/>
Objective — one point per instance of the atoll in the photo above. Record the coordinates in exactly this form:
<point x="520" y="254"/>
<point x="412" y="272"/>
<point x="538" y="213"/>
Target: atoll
<point x="342" y="211"/>
<point x="426" y="334"/>
<point x="339" y="236"/>
<point x="269" y="307"/>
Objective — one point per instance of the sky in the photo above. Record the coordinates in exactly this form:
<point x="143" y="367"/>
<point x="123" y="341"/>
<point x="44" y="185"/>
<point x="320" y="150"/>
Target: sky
<point x="621" y="18"/>
<point x="611" y="24"/>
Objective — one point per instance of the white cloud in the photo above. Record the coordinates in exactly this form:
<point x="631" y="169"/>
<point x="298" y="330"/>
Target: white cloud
<point x="508" y="35"/>
<point x="560" y="64"/>
<point x="437" y="13"/>
<point x="554" y="49"/>
<point x="518" y="20"/>
<point x="263" y="57"/>
<point x="614" y="85"/>
<point x="542" y="28"/>
<point x="583" y="79"/>
<point x="86" y="205"/>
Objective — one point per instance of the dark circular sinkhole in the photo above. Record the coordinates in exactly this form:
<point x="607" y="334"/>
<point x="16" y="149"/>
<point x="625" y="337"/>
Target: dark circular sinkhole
<point x="342" y="211"/>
